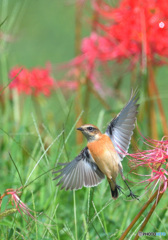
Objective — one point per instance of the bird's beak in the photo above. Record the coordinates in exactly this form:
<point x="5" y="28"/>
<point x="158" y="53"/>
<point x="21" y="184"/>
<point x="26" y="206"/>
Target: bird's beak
<point x="80" y="129"/>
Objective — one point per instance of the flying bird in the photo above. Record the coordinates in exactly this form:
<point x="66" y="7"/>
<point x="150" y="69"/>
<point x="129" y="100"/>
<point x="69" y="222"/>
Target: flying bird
<point x="103" y="154"/>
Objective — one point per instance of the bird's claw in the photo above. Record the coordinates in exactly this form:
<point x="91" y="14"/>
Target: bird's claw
<point x="133" y="195"/>
<point x="120" y="189"/>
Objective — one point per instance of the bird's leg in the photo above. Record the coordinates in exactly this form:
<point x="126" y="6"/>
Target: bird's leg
<point x="118" y="187"/>
<point x="131" y="194"/>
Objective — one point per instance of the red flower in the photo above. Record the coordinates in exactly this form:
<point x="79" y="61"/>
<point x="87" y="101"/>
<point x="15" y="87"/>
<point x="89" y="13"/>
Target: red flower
<point x="135" y="27"/>
<point x="95" y="49"/>
<point x="21" y="207"/>
<point x="155" y="159"/>
<point x="35" y="82"/>
<point x="20" y="80"/>
<point x="135" y="30"/>
<point x="41" y="81"/>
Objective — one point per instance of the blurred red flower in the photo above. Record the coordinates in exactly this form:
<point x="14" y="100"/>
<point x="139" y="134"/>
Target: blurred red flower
<point x="154" y="159"/>
<point x="94" y="49"/>
<point x="135" y="30"/>
<point x="20" y="80"/>
<point x="41" y="81"/>
<point x="35" y="81"/>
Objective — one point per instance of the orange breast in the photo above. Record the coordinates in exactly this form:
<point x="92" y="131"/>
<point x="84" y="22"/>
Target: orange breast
<point x="105" y="156"/>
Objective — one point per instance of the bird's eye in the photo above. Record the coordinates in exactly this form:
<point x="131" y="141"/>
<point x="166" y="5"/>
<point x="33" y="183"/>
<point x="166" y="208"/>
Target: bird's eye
<point x="90" y="128"/>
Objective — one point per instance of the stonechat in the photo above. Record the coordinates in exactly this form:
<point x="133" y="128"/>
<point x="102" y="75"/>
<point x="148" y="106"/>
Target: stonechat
<point x="103" y="154"/>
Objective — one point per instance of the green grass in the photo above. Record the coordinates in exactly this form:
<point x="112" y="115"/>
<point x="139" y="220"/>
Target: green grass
<point x="38" y="133"/>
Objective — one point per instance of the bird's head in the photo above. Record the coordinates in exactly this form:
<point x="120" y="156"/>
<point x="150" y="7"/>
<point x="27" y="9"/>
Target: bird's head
<point x="90" y="131"/>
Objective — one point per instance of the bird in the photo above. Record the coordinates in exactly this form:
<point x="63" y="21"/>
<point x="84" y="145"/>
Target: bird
<point x="103" y="155"/>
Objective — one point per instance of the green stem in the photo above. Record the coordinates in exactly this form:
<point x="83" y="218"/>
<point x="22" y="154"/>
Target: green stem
<point x="75" y="221"/>
<point x="16" y="107"/>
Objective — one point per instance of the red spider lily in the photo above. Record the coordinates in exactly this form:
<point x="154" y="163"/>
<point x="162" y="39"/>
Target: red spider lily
<point x="135" y="27"/>
<point x="94" y="48"/>
<point x="155" y="159"/>
<point x="20" y="206"/>
<point x="20" y="80"/>
<point x="35" y="82"/>
<point x="41" y="81"/>
<point x="135" y="30"/>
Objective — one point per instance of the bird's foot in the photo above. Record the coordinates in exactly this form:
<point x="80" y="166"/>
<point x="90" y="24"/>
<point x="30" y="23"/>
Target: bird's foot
<point x="131" y="194"/>
<point x="120" y="189"/>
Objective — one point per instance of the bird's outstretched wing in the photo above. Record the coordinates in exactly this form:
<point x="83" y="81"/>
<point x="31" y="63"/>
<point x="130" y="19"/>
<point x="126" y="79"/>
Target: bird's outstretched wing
<point x="82" y="171"/>
<point x="121" y="127"/>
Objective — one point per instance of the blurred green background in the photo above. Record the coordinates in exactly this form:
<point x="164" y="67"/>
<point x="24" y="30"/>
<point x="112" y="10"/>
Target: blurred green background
<point x="44" y="31"/>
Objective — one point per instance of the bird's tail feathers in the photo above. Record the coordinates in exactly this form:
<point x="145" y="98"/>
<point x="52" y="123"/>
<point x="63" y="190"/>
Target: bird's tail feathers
<point x="114" y="190"/>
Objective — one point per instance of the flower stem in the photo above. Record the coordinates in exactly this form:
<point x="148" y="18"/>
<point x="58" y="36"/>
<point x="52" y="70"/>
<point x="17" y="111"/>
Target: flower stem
<point x="160" y="106"/>
<point x="78" y="27"/>
<point x="87" y="97"/>
<point x="151" y="104"/>
<point x="98" y="96"/>
<point x="78" y="33"/>
<point x="139" y="214"/>
<point x="88" y="83"/>
<point x="149" y="215"/>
